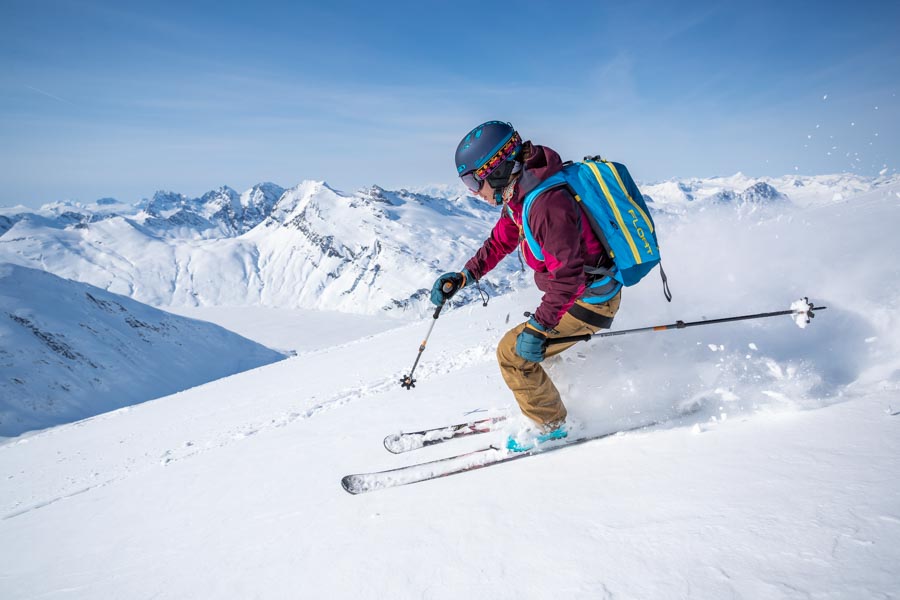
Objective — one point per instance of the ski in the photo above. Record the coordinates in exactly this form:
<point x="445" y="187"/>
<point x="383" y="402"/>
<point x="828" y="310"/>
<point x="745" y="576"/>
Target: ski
<point x="398" y="443"/>
<point x="470" y="461"/>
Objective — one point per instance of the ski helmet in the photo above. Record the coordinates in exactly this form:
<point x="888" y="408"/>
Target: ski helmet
<point x="488" y="153"/>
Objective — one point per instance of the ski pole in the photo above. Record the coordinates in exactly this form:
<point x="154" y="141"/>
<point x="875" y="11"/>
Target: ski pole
<point x="808" y="312"/>
<point x="408" y="382"/>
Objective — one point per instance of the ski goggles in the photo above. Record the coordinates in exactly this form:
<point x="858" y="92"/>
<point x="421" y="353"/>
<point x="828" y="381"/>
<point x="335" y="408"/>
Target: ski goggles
<point x="474" y="180"/>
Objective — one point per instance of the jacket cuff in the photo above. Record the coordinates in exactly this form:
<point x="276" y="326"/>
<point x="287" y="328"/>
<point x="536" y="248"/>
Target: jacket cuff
<point x="536" y="325"/>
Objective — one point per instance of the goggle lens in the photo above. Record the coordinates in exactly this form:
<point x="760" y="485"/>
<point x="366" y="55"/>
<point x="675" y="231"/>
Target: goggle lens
<point x="473" y="183"/>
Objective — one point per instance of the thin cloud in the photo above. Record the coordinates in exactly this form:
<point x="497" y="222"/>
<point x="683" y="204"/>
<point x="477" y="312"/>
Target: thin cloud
<point x="48" y="94"/>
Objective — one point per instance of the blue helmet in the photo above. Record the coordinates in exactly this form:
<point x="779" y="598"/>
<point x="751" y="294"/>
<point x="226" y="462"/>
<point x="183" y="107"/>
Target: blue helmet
<point x="488" y="151"/>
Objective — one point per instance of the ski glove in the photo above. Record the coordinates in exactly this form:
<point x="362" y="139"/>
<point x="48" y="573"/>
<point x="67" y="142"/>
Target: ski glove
<point x="532" y="341"/>
<point x="457" y="281"/>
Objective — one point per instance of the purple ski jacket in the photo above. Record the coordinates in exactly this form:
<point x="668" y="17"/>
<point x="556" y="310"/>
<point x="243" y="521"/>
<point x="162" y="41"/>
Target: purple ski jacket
<point x="565" y="238"/>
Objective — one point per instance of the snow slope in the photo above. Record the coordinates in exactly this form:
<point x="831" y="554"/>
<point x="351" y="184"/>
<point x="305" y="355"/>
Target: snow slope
<point x="783" y="485"/>
<point x="69" y="351"/>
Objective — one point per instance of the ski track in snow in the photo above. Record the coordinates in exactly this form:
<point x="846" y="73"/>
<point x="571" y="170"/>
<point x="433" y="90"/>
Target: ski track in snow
<point x="444" y="364"/>
<point x="45" y="503"/>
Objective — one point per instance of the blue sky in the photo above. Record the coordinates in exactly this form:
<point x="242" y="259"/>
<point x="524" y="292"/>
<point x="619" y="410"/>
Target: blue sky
<point x="123" y="98"/>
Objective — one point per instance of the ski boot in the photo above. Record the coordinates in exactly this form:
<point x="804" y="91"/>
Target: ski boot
<point x="528" y="442"/>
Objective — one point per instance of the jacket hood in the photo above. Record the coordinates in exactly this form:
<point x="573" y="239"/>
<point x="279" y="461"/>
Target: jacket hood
<point x="540" y="163"/>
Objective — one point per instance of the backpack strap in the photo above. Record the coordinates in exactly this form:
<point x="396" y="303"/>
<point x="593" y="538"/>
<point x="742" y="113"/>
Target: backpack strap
<point x="602" y="284"/>
<point x="555" y="180"/>
<point x="666" y="291"/>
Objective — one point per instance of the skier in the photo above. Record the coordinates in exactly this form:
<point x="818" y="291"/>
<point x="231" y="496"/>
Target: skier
<point x="497" y="166"/>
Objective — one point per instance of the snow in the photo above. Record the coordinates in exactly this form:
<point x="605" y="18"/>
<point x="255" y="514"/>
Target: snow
<point x="290" y="330"/>
<point x="801" y="310"/>
<point x="70" y="351"/>
<point x="774" y="477"/>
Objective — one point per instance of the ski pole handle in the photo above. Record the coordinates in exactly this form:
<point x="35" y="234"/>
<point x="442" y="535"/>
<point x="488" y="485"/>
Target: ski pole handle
<point x="446" y="289"/>
<point x="571" y="338"/>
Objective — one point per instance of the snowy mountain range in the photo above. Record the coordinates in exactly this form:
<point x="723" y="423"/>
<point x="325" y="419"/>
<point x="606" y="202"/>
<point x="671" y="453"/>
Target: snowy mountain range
<point x="315" y="247"/>
<point x="307" y="247"/>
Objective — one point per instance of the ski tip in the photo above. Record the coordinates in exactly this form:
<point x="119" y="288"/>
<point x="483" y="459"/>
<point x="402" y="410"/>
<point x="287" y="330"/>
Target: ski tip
<point x="392" y="444"/>
<point x="361" y="483"/>
<point x="351" y="484"/>
<point x="399" y="443"/>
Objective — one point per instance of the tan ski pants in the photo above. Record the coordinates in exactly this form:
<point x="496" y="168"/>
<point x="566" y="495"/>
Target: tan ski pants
<point x="534" y="391"/>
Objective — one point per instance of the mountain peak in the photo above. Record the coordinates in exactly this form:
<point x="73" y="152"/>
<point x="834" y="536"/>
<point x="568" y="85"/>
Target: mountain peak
<point x="761" y="192"/>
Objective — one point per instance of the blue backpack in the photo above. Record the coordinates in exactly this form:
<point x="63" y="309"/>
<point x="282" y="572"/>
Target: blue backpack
<point x="618" y="216"/>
